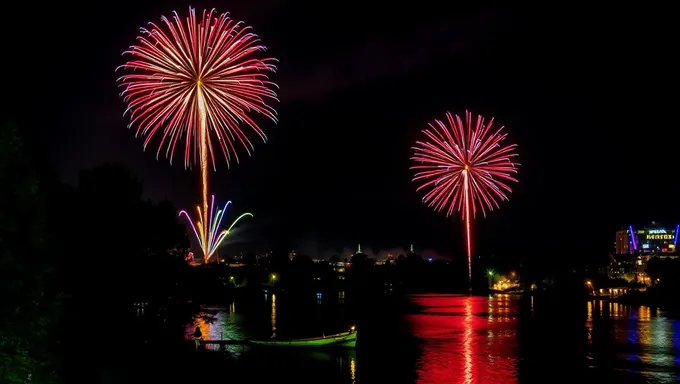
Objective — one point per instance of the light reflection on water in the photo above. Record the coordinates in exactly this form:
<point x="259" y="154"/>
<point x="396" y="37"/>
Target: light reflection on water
<point x="273" y="316"/>
<point x="468" y="339"/>
<point x="226" y="323"/>
<point x="640" y="340"/>
<point x="219" y="323"/>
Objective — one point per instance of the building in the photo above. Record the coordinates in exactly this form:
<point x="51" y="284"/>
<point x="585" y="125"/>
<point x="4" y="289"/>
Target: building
<point x="622" y="240"/>
<point x="626" y="266"/>
<point x="651" y="240"/>
<point x="636" y="246"/>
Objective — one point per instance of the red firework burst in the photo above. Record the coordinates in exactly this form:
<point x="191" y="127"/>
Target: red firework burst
<point x="193" y="72"/>
<point x="464" y="166"/>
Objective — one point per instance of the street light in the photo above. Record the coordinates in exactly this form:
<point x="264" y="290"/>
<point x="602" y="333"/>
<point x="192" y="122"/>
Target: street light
<point x="490" y="273"/>
<point x="589" y="284"/>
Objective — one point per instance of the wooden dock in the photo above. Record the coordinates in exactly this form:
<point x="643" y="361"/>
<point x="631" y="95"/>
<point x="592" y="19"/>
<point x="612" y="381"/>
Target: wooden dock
<point x="223" y="342"/>
<point x="199" y="344"/>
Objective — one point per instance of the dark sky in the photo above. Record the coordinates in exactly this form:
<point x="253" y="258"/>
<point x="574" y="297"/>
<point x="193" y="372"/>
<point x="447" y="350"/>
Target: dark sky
<point x="587" y="94"/>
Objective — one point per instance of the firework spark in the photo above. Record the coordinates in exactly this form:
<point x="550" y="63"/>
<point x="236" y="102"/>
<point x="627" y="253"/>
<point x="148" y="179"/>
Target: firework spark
<point x="464" y="166"/>
<point x="197" y="81"/>
<point x="213" y="237"/>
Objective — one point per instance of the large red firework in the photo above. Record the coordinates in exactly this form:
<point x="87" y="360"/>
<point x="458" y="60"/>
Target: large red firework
<point x="185" y="72"/>
<point x="464" y="166"/>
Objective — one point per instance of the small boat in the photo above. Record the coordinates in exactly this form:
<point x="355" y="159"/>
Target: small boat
<point x="345" y="339"/>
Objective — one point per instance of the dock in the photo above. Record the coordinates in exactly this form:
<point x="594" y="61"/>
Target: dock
<point x="220" y="343"/>
<point x="223" y="342"/>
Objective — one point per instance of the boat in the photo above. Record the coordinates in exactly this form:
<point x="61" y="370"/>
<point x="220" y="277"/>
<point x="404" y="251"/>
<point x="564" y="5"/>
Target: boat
<point x="345" y="339"/>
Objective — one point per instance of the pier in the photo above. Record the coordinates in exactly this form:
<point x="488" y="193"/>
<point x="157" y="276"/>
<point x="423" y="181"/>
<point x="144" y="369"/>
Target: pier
<point x="222" y="342"/>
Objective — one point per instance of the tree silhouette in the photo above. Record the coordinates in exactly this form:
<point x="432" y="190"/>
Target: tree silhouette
<point x="29" y="307"/>
<point x="167" y="233"/>
<point x="250" y="259"/>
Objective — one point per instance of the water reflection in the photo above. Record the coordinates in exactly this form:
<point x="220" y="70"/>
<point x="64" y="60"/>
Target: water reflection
<point x="640" y="340"/>
<point x="463" y="339"/>
<point x="466" y="339"/>
<point x="219" y="323"/>
<point x="273" y="316"/>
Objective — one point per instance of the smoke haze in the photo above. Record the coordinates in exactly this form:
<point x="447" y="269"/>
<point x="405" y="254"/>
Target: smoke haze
<point x="312" y="249"/>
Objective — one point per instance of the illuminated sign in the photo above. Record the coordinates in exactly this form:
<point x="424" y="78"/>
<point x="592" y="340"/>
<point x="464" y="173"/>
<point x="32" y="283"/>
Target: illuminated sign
<point x="659" y="237"/>
<point x="656" y="231"/>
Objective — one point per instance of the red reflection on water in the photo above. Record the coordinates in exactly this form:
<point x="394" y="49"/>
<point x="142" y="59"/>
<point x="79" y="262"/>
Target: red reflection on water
<point x="466" y="339"/>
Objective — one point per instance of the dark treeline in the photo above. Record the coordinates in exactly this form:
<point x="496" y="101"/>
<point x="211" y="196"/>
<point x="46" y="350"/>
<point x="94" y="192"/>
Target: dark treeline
<point x="665" y="287"/>
<point x="73" y="263"/>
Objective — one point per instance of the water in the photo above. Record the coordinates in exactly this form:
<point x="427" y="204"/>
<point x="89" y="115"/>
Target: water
<point x="466" y="339"/>
<point x="456" y="339"/>
<point x="642" y="342"/>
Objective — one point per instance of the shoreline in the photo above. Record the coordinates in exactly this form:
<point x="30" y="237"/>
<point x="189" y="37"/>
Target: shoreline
<point x="647" y="299"/>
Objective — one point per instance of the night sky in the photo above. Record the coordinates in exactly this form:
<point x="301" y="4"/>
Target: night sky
<point x="586" y="95"/>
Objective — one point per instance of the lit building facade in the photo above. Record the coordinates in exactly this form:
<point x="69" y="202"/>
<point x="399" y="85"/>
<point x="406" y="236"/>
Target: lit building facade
<point x="636" y="246"/>
<point x="622" y="241"/>
<point x="651" y="240"/>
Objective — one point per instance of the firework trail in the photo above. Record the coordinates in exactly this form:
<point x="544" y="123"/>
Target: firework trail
<point x="214" y="236"/>
<point x="195" y="82"/>
<point x="464" y="166"/>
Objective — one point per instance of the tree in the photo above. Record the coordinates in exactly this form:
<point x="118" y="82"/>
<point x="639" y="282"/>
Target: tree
<point x="127" y="242"/>
<point x="120" y="255"/>
<point x="29" y="308"/>
<point x="168" y="233"/>
<point x="250" y="259"/>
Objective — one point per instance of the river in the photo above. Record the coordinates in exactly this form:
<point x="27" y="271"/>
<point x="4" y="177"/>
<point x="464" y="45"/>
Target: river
<point x="455" y="339"/>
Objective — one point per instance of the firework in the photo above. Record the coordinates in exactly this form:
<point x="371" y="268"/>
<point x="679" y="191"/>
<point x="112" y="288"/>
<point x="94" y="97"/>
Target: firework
<point x="464" y="166"/>
<point x="195" y="82"/>
<point x="213" y="237"/>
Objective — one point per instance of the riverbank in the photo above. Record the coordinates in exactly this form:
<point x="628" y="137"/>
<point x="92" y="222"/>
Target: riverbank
<point x="649" y="298"/>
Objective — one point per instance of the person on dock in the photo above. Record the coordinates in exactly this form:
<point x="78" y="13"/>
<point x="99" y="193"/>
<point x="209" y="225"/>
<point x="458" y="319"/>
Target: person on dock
<point x="197" y="336"/>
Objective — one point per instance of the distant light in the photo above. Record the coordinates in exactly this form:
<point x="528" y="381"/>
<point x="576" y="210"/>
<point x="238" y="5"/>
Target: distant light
<point x="429" y="259"/>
